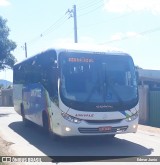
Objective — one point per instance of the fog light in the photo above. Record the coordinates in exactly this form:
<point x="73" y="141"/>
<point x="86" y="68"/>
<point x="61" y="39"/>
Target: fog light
<point x="134" y="126"/>
<point x="67" y="129"/>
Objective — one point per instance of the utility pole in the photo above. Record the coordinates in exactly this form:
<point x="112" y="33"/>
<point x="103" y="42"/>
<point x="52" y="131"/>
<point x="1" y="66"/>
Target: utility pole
<point x="25" y="49"/>
<point x="75" y="24"/>
<point x="73" y="13"/>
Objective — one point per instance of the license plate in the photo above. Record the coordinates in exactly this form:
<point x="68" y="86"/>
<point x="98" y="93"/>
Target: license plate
<point x="105" y="129"/>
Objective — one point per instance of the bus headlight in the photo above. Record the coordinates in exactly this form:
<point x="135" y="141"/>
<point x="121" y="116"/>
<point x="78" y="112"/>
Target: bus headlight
<point x="70" y="118"/>
<point x="131" y="118"/>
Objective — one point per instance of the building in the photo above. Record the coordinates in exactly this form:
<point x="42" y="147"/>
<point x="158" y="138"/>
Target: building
<point x="149" y="97"/>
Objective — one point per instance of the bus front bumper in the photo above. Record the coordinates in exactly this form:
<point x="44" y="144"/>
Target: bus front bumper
<point x="84" y="129"/>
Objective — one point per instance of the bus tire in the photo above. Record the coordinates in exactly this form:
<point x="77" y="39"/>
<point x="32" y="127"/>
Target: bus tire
<point x="46" y="127"/>
<point x="54" y="136"/>
<point x="24" y="120"/>
<point x="45" y="122"/>
<point x="111" y="136"/>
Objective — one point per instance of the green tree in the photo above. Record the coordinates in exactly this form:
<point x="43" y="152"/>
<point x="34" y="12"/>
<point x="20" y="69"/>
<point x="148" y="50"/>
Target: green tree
<point x="7" y="60"/>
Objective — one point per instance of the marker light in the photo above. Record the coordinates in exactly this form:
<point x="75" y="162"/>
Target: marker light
<point x="131" y="118"/>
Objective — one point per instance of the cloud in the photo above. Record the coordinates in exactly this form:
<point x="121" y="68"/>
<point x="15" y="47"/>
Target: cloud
<point x="4" y="3"/>
<point x="86" y="39"/>
<point x="122" y="6"/>
<point x="134" y="34"/>
<point x="63" y="41"/>
<point x="120" y="36"/>
<point x="117" y="36"/>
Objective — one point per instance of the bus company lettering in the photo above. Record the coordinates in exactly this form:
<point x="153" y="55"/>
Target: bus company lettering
<point x="36" y="92"/>
<point x="104" y="106"/>
<point x="84" y="115"/>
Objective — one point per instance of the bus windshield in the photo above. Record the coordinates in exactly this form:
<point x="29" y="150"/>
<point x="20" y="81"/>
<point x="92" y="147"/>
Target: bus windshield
<point x="97" y="81"/>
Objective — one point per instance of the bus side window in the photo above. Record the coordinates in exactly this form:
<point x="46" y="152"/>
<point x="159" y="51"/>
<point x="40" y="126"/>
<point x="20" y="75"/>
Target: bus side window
<point x="19" y="77"/>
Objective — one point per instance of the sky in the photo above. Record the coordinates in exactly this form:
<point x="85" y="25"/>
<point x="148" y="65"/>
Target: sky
<point x="130" y="25"/>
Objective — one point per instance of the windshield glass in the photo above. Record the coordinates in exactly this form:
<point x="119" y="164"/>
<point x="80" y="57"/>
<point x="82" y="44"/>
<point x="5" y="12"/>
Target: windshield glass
<point x="98" y="80"/>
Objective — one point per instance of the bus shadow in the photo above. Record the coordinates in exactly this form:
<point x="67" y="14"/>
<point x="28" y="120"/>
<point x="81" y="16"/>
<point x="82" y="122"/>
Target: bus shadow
<point x="95" y="148"/>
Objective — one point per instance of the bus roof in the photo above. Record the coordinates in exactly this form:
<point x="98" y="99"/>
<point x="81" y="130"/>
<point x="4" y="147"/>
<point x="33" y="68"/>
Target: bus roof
<point x="88" y="48"/>
<point x="85" y="48"/>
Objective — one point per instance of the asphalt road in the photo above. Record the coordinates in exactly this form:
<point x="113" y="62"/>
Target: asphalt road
<point x="32" y="141"/>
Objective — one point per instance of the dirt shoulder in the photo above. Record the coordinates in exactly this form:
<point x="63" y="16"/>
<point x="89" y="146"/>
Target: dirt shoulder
<point x="149" y="129"/>
<point x="5" y="150"/>
<point x="4" y="145"/>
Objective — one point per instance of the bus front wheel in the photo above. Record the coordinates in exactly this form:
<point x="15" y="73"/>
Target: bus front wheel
<point x="25" y="121"/>
<point x="46" y="127"/>
<point x="111" y="136"/>
<point x="45" y="122"/>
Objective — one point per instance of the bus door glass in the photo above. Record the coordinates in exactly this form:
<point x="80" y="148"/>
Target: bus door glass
<point x="34" y="100"/>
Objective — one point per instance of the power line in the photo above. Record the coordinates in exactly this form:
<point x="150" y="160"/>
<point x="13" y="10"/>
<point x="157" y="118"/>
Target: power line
<point x="105" y="21"/>
<point x="63" y="19"/>
<point x="53" y="27"/>
<point x="89" y="4"/>
<point x="128" y="37"/>
<point x="58" y="23"/>
<point x="91" y="11"/>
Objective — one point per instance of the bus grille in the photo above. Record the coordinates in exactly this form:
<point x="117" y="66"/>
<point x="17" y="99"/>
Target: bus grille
<point x="97" y="130"/>
<point x="103" y="121"/>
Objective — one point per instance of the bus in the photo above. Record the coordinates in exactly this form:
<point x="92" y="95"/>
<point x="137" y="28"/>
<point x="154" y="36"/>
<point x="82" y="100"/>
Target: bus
<point x="78" y="91"/>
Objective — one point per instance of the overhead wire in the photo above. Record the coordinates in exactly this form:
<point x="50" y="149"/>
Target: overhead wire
<point x="91" y="11"/>
<point x="129" y="37"/>
<point x="63" y="19"/>
<point x="93" y="5"/>
<point x="105" y="21"/>
<point x="88" y="5"/>
<point x="58" y="23"/>
<point x="50" y="29"/>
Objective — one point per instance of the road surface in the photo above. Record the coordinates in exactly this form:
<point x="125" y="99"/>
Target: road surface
<point x="32" y="141"/>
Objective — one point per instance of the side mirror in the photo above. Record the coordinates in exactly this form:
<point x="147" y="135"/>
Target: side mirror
<point x="137" y="75"/>
<point x="55" y="64"/>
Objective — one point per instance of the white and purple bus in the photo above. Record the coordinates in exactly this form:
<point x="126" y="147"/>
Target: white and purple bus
<point x="78" y="92"/>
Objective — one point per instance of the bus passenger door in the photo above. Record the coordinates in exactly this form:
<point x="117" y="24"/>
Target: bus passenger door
<point x="34" y="102"/>
<point x="26" y="101"/>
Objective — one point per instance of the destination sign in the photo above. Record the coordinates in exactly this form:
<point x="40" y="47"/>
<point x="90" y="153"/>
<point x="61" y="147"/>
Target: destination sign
<point x="86" y="60"/>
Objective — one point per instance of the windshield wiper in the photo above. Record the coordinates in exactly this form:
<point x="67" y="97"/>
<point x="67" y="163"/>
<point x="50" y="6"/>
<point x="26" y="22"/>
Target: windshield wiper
<point x="109" y="84"/>
<point x="106" y="85"/>
<point x="105" y="92"/>
<point x="115" y="92"/>
<point x="96" y="86"/>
